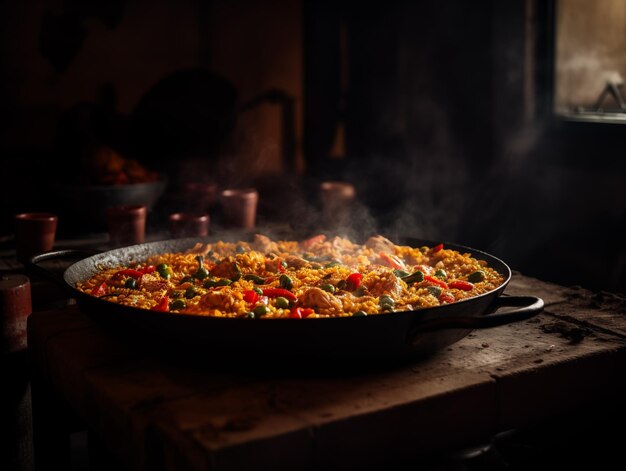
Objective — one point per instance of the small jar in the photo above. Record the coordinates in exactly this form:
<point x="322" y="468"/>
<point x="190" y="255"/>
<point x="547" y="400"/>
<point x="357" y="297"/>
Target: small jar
<point x="239" y="207"/>
<point x="34" y="233"/>
<point x="188" y="225"/>
<point x="127" y="224"/>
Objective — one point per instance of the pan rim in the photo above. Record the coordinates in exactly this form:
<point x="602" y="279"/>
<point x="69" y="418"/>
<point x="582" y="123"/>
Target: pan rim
<point x="147" y="247"/>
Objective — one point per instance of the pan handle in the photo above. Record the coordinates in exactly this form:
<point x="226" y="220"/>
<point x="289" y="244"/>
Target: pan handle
<point x="33" y="268"/>
<point x="528" y="306"/>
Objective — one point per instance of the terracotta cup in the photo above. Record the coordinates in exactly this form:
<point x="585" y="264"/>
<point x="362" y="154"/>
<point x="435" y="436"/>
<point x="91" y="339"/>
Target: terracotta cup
<point x="127" y="224"/>
<point x="239" y="207"/>
<point x="188" y="225"/>
<point x="34" y="233"/>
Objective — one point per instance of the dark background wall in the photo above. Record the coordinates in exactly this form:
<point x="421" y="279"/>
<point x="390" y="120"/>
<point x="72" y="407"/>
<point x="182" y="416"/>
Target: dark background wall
<point x="450" y="134"/>
<point x="440" y="113"/>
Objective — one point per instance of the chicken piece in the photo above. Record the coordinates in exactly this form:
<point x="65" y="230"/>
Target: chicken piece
<point x="297" y="262"/>
<point x="264" y="244"/>
<point x="380" y="244"/>
<point x="199" y="249"/>
<point x="342" y="246"/>
<point x="217" y="299"/>
<point x="153" y="286"/>
<point x="227" y="268"/>
<point x="392" y="261"/>
<point x="318" y="298"/>
<point x="312" y="241"/>
<point x="275" y="264"/>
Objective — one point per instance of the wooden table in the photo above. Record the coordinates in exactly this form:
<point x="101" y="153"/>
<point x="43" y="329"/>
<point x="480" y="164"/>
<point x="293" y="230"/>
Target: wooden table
<point x="151" y="414"/>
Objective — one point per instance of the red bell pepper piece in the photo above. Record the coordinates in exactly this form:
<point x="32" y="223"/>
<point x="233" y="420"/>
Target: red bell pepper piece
<point x="437" y="248"/>
<point x="279" y="266"/>
<point x="129" y="272"/>
<point x="353" y="281"/>
<point x="301" y="312"/>
<point x="138" y="273"/>
<point x="162" y="305"/>
<point x="99" y="290"/>
<point x="275" y="292"/>
<point x="446" y="298"/>
<point x="461" y="284"/>
<point x="393" y="261"/>
<point x="436" y="281"/>
<point x="251" y="296"/>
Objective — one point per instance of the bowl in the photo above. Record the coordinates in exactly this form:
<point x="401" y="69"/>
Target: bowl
<point x="85" y="205"/>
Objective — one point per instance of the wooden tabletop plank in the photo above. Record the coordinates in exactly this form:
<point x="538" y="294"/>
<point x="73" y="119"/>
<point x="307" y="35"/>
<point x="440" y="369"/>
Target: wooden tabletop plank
<point x="189" y="416"/>
<point x="531" y="394"/>
<point x="601" y="310"/>
<point x="43" y="326"/>
<point x="524" y="286"/>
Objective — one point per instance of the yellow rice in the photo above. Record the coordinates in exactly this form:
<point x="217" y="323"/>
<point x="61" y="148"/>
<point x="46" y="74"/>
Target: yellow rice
<point x="319" y="270"/>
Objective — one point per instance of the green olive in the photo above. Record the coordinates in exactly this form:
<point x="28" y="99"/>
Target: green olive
<point x="223" y="282"/>
<point x="416" y="277"/>
<point x="249" y="315"/>
<point x="131" y="283"/>
<point x="359" y="314"/>
<point x="164" y="270"/>
<point x="191" y="292"/>
<point x="178" y="304"/>
<point x="282" y="303"/>
<point x="202" y="272"/>
<point x="441" y="274"/>
<point x="386" y="302"/>
<point x="477" y="276"/>
<point x="434" y="290"/>
<point x="328" y="287"/>
<point x="285" y="282"/>
<point x="258" y="291"/>
<point x="257" y="280"/>
<point x="209" y="283"/>
<point x="260" y="310"/>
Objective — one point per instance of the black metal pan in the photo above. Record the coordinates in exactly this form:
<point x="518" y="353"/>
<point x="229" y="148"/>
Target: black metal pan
<point x="391" y="335"/>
